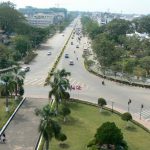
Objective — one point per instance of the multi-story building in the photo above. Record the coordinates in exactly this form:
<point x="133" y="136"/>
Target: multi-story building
<point x="41" y="19"/>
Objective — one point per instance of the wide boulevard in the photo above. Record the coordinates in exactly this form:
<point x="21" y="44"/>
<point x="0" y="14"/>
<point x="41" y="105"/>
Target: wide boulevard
<point x="91" y="87"/>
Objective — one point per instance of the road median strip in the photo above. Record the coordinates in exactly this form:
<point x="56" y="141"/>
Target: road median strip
<point x="57" y="60"/>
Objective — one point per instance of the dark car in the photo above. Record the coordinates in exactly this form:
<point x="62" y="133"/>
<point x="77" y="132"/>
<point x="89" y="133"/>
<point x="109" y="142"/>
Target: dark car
<point x="66" y="55"/>
<point x="77" y="46"/>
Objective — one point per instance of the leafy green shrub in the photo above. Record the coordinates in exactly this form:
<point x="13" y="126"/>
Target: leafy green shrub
<point x="101" y="103"/>
<point x="126" y="116"/>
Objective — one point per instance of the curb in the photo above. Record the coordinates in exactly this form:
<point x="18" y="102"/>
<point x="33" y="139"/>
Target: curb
<point x="12" y="116"/>
<point x="38" y="142"/>
<point x="116" y="80"/>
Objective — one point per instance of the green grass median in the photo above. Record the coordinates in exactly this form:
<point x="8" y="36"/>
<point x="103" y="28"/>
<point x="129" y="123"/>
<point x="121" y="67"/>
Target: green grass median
<point x="4" y="116"/>
<point x="81" y="127"/>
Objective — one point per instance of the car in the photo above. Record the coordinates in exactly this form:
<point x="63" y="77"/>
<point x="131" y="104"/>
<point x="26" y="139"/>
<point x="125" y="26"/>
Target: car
<point x="49" y="53"/>
<point x="66" y="55"/>
<point x="25" y="69"/>
<point x="71" y="62"/>
<point x="77" y="46"/>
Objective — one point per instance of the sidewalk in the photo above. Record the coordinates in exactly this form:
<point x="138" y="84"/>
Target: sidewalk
<point x="141" y="121"/>
<point x="22" y="133"/>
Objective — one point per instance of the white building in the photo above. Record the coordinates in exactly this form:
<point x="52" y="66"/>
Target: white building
<point x="41" y="19"/>
<point x="141" y="36"/>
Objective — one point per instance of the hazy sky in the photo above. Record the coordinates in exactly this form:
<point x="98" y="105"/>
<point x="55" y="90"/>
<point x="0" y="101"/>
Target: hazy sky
<point x="126" y="6"/>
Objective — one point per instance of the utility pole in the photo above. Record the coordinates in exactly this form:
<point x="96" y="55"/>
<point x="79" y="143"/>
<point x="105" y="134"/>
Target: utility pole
<point x="142" y="106"/>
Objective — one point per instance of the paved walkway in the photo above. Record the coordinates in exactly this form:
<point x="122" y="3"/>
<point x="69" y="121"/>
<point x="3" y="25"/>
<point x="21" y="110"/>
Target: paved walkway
<point x="22" y="132"/>
<point x="145" y="123"/>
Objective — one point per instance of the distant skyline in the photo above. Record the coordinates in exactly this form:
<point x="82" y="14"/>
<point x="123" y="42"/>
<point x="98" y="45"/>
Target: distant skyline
<point x="115" y="6"/>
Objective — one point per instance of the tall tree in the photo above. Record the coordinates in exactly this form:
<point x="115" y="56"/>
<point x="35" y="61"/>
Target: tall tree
<point x="18" y="77"/>
<point x="48" y="127"/>
<point x="6" y="81"/>
<point x="104" y="48"/>
<point x="117" y="27"/>
<point x="9" y="16"/>
<point x="5" y="57"/>
<point x="59" y="86"/>
<point x="22" y="44"/>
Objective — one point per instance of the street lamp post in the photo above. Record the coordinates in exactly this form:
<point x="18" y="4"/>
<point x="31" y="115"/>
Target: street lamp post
<point x="129" y="102"/>
<point x="142" y="106"/>
<point x="112" y="105"/>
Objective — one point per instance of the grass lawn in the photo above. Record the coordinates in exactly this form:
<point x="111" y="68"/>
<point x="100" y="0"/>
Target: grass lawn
<point x="3" y="114"/>
<point x="83" y="122"/>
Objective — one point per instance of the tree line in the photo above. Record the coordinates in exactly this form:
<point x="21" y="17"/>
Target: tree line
<point x="22" y="38"/>
<point x="117" y="51"/>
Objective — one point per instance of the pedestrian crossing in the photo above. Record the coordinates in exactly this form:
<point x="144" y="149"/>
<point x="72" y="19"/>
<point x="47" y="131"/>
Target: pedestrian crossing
<point x="76" y="83"/>
<point x="145" y="114"/>
<point x="39" y="81"/>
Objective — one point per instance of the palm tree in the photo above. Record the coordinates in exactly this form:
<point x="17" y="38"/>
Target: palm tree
<point x="6" y="81"/>
<point x="18" y="77"/>
<point x="59" y="86"/>
<point x="2" y="86"/>
<point x="48" y="127"/>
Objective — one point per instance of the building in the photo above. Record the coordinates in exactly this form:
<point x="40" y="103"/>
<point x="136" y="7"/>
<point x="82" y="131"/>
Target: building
<point x="41" y="19"/>
<point x="141" y="36"/>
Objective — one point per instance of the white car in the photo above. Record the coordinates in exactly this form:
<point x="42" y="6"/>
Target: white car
<point x="49" y="53"/>
<point x="25" y="69"/>
<point x="71" y="62"/>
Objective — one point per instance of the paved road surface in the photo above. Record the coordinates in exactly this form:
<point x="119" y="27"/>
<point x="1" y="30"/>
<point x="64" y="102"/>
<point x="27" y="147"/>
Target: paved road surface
<point x="92" y="87"/>
<point x="40" y="67"/>
<point x="22" y="132"/>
